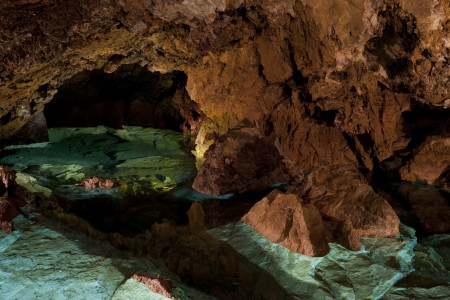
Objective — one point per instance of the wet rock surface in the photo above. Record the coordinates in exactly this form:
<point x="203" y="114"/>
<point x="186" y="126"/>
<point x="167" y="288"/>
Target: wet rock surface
<point x="42" y="260"/>
<point x="242" y="160"/>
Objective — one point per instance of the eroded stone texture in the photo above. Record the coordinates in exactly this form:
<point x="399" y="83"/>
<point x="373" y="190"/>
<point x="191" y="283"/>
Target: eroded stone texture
<point x="431" y="161"/>
<point x="242" y="160"/>
<point x="158" y="285"/>
<point x="94" y="182"/>
<point x="349" y="206"/>
<point x="284" y="219"/>
<point x="355" y="63"/>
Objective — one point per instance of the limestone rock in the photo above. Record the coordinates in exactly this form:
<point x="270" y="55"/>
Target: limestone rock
<point x="242" y="160"/>
<point x="284" y="219"/>
<point x="430" y="162"/>
<point x="158" y="285"/>
<point x="349" y="206"/>
<point x="94" y="182"/>
<point x="9" y="209"/>
<point x="7" y="177"/>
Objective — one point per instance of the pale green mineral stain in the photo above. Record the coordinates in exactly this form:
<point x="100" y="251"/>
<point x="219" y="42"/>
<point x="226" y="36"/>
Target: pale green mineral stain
<point x="341" y="274"/>
<point x="133" y="155"/>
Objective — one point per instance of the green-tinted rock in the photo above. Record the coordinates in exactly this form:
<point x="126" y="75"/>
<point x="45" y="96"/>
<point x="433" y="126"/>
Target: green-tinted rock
<point x="133" y="155"/>
<point x="341" y="274"/>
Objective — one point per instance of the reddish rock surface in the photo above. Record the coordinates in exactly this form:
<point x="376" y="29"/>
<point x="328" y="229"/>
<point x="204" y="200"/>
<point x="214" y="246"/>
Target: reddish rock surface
<point x="348" y="205"/>
<point x="9" y="209"/>
<point x="284" y="219"/>
<point x="94" y="182"/>
<point x="431" y="161"/>
<point x="7" y="177"/>
<point x="158" y="285"/>
<point x="242" y="160"/>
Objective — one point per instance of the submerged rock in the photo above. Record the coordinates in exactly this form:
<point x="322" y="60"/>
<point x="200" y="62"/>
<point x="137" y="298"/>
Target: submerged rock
<point x="284" y="219"/>
<point x="431" y="162"/>
<point x="349" y="206"/>
<point x="158" y="285"/>
<point x="94" y="182"/>
<point x="242" y="160"/>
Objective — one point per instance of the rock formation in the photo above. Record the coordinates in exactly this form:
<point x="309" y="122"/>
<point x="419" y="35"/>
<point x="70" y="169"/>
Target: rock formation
<point x="348" y="204"/>
<point x="158" y="285"/>
<point x="242" y="160"/>
<point x="334" y="204"/>
<point x="284" y="219"/>
<point x="431" y="161"/>
<point x="94" y="182"/>
<point x="303" y="70"/>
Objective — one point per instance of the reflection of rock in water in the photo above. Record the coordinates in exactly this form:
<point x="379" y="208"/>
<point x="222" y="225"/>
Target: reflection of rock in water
<point x="9" y="209"/>
<point x="424" y="207"/>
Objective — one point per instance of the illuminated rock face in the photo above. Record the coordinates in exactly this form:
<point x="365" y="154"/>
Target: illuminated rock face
<point x="243" y="160"/>
<point x="333" y="205"/>
<point x="307" y="71"/>
<point x="328" y="82"/>
<point x="285" y="220"/>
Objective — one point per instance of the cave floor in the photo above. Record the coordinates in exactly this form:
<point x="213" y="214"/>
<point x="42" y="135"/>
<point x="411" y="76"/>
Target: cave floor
<point x="85" y="243"/>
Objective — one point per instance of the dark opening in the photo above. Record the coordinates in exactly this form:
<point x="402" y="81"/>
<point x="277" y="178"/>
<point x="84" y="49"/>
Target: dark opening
<point x="132" y="95"/>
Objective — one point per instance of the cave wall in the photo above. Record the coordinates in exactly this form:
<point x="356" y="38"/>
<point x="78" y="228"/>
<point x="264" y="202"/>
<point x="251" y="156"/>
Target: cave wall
<point x="331" y="80"/>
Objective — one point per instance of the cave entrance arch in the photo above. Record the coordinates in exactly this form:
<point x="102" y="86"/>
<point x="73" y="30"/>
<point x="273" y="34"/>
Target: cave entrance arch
<point x="131" y="96"/>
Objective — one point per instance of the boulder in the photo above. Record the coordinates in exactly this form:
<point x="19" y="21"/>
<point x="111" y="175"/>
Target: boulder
<point x="349" y="206"/>
<point x="284" y="219"/>
<point x="242" y="160"/>
<point x="94" y="182"/>
<point x="9" y="209"/>
<point x="431" y="161"/>
<point x="158" y="285"/>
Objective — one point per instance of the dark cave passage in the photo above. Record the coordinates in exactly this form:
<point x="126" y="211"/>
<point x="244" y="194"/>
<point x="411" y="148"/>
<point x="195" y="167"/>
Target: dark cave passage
<point x="131" y="96"/>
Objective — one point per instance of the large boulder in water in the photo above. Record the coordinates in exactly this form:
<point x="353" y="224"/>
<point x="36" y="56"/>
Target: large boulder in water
<point x="284" y="219"/>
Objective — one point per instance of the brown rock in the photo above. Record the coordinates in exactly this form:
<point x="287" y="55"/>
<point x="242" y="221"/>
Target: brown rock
<point x="283" y="219"/>
<point x="302" y="139"/>
<point x="344" y="198"/>
<point x="429" y="205"/>
<point x="158" y="285"/>
<point x="9" y="209"/>
<point x="241" y="160"/>
<point x="94" y="182"/>
<point x="431" y="161"/>
<point x="7" y="177"/>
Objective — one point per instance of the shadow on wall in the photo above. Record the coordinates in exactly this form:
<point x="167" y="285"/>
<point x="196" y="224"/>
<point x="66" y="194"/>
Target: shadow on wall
<point x="132" y="95"/>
